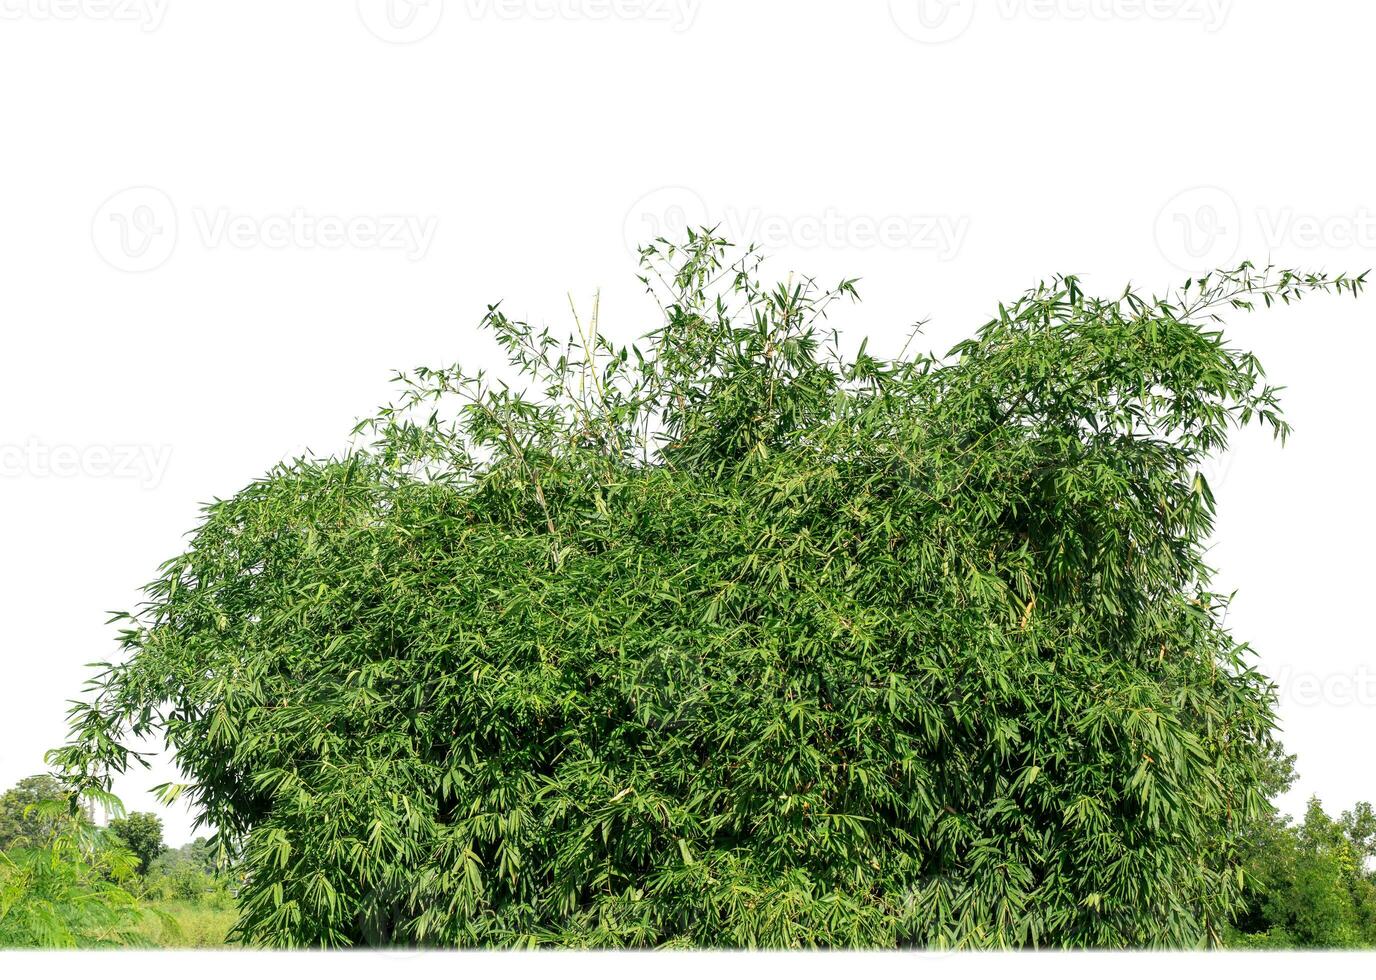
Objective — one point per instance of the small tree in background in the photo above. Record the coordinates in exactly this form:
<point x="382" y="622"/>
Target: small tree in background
<point x="1310" y="885"/>
<point x="191" y="872"/>
<point x="730" y="638"/>
<point x="64" y="891"/>
<point x="23" y="820"/>
<point x="141" y="833"/>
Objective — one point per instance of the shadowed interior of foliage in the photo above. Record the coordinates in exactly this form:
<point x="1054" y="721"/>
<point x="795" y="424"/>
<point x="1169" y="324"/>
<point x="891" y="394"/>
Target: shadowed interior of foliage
<point x="733" y="638"/>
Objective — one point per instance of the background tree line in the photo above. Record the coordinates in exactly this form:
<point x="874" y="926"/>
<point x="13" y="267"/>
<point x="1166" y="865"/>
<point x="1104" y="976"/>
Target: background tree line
<point x="66" y="882"/>
<point x="1309" y="883"/>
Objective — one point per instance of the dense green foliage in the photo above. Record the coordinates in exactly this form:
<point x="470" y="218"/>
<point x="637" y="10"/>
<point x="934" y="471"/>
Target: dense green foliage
<point x="733" y="639"/>
<point x="1307" y="885"/>
<point x="67" y="883"/>
<point x="23" y="819"/>
<point x="66" y="891"/>
<point x="1311" y="884"/>
<point x="188" y="873"/>
<point x="141" y="834"/>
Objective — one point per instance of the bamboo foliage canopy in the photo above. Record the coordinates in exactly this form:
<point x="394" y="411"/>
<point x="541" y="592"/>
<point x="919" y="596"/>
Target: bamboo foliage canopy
<point x="730" y="638"/>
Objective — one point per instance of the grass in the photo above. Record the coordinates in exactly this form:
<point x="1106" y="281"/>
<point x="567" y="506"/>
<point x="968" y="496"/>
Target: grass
<point x="178" y="924"/>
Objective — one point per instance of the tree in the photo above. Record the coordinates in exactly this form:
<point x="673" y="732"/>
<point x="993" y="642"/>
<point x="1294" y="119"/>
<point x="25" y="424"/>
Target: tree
<point x="1359" y="824"/>
<point x="199" y="855"/>
<point x="141" y="833"/>
<point x="23" y="821"/>
<point x="1308" y="885"/>
<point x="730" y="638"/>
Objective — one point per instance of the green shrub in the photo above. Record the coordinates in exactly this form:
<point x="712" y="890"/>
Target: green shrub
<point x="191" y="873"/>
<point x="141" y="834"/>
<point x="24" y="822"/>
<point x="64" y="894"/>
<point x="731" y="639"/>
<point x="1309" y="885"/>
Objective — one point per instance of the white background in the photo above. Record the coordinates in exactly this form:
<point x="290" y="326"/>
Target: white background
<point x="222" y="225"/>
